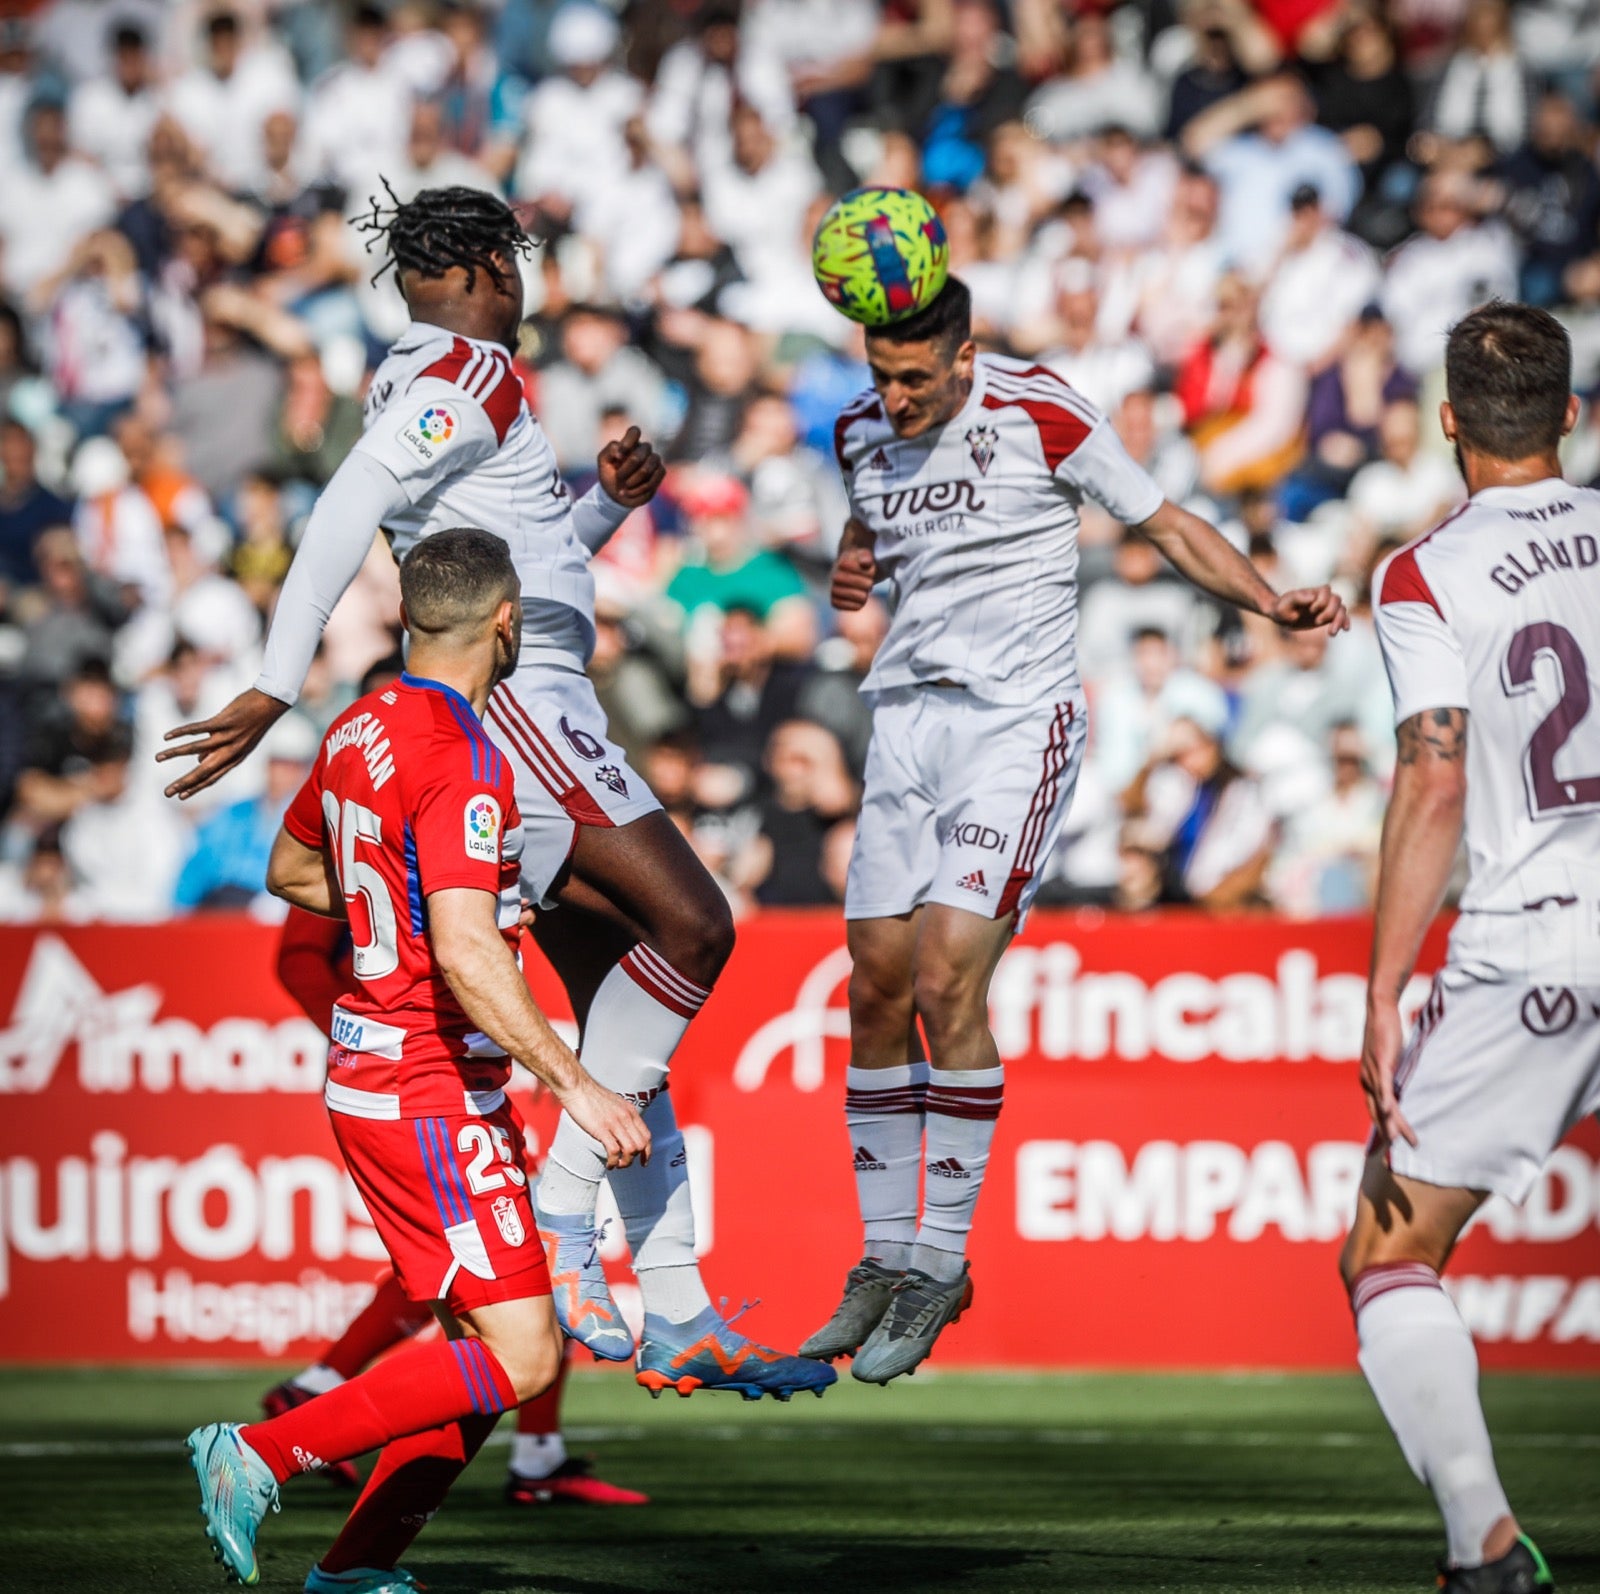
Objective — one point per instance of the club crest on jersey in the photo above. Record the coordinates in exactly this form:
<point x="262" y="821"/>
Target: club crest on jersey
<point x="482" y="820"/>
<point x="430" y="433"/>
<point x="610" y="775"/>
<point x="507" y="1220"/>
<point x="982" y="441"/>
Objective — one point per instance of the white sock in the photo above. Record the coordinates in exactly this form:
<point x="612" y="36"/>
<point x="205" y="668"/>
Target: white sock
<point x="637" y="1018"/>
<point x="317" y="1378"/>
<point x="537" y="1455"/>
<point x="883" y="1109"/>
<point x="962" y="1106"/>
<point x="653" y="1199"/>
<point x="1421" y="1363"/>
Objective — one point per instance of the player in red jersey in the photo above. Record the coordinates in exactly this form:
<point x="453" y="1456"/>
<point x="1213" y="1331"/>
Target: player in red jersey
<point x="408" y="826"/>
<point x="314" y="967"/>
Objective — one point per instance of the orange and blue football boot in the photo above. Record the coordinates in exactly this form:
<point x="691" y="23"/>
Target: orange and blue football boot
<point x="709" y="1353"/>
<point x="578" y="1287"/>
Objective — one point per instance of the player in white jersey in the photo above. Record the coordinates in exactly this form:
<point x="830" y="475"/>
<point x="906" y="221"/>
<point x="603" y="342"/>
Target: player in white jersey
<point x="642" y="932"/>
<point x="965" y="472"/>
<point x="1490" y="628"/>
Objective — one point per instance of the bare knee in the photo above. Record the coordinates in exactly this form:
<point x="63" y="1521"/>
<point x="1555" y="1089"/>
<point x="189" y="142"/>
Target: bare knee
<point x="880" y="1001"/>
<point x="530" y="1357"/>
<point x="950" y="1000"/>
<point x="696" y="936"/>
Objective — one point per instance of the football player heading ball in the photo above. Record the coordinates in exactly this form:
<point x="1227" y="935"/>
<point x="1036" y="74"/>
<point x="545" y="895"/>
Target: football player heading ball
<point x="965" y="472"/>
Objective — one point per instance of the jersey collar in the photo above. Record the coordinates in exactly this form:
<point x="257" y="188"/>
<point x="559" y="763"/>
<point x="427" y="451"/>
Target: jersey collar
<point x="422" y="684"/>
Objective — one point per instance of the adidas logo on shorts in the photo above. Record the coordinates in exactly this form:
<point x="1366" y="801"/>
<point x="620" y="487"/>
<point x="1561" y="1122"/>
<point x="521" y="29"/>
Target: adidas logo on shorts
<point x="973" y="882"/>
<point x="867" y="1163"/>
<point x="948" y="1168"/>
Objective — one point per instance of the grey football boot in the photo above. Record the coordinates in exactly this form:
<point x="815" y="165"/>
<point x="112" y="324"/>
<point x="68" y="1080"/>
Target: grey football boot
<point x="919" y="1309"/>
<point x="867" y="1291"/>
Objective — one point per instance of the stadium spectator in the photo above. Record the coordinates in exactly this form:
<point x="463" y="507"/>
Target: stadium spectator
<point x="27" y="507"/>
<point x="811" y="793"/>
<point x="53" y="199"/>
<point x="1319" y="282"/>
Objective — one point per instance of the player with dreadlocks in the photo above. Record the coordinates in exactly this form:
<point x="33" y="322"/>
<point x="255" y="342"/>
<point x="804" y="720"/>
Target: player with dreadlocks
<point x="643" y="931"/>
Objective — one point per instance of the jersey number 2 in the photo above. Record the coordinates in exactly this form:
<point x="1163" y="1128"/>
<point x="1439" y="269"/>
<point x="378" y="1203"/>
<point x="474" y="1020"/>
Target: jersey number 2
<point x="1551" y="795"/>
<point x="351" y="825"/>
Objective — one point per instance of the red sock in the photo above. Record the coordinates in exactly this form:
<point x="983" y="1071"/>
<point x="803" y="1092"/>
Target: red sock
<point x="542" y="1414"/>
<point x="389" y="1317"/>
<point x="407" y="1486"/>
<point x="425" y="1386"/>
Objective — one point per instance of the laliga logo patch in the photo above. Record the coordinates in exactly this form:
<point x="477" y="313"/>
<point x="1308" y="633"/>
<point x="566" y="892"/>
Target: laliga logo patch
<point x="507" y="1221"/>
<point x="430" y="432"/>
<point x="483" y="828"/>
<point x="982" y="440"/>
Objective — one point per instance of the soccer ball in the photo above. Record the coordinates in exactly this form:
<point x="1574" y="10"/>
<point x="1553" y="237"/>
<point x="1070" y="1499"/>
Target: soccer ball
<point x="880" y="255"/>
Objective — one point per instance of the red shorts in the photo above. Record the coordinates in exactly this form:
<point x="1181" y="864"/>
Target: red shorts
<point x="449" y="1199"/>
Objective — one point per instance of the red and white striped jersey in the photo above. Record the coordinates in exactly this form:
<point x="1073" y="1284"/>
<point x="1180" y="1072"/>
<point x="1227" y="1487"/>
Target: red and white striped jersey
<point x="446" y="415"/>
<point x="976" y="528"/>
<point x="1497" y="611"/>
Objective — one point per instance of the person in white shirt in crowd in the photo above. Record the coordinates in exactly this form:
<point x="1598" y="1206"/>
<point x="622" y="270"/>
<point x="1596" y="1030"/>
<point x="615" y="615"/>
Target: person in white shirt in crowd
<point x="1261" y="144"/>
<point x="1485" y="91"/>
<point x="1096" y="90"/>
<point x="110" y="118"/>
<point x="1329" y="855"/>
<point x="1131" y="188"/>
<point x="634" y="221"/>
<point x="1104" y="369"/>
<point x="1454" y="263"/>
<point x="124" y="846"/>
<point x="222" y="102"/>
<point x="1408" y="490"/>
<point x="752" y="202"/>
<point x="1136" y="705"/>
<point x="700" y="79"/>
<point x="1167" y="291"/>
<point x="358" y="115"/>
<point x="97" y="344"/>
<point x="118" y="528"/>
<point x="573" y="139"/>
<point x="1321" y="280"/>
<point x="49" y="202"/>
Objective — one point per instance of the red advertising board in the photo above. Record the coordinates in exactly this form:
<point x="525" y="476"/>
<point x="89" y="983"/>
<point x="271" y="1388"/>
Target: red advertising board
<point x="1174" y="1169"/>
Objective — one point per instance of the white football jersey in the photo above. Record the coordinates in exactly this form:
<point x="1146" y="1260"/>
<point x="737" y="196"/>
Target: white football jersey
<point x="1497" y="611"/>
<point x="977" y="529"/>
<point x="446" y="415"/>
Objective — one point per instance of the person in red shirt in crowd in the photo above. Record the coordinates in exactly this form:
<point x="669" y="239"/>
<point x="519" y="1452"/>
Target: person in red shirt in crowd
<point x="314" y="968"/>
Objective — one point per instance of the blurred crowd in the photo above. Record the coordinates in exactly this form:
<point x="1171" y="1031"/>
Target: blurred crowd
<point x="1241" y="227"/>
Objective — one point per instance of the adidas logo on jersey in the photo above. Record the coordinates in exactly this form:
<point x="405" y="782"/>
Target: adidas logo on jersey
<point x="878" y="461"/>
<point x="974" y="882"/>
<point x="867" y="1163"/>
<point x="948" y="1168"/>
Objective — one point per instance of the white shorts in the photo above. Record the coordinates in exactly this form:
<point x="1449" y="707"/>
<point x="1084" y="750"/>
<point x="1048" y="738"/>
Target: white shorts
<point x="1491" y="1079"/>
<point x="568" y="770"/>
<point x="963" y="801"/>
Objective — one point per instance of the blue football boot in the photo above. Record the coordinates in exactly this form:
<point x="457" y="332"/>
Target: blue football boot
<point x="708" y="1353"/>
<point x="237" y="1490"/>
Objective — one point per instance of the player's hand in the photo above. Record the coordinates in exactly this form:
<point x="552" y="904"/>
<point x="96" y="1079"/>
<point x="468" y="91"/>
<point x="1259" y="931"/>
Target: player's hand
<point x="631" y="471"/>
<point x="1306" y="608"/>
<point x="1380" y="1056"/>
<point x="222" y="742"/>
<point x="855" y="574"/>
<point x="612" y="1120"/>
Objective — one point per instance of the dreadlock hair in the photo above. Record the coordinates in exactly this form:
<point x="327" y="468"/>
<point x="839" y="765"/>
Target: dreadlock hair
<point x="443" y="228"/>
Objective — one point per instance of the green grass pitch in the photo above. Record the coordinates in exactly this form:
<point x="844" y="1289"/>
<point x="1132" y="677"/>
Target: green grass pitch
<point x="994" y="1484"/>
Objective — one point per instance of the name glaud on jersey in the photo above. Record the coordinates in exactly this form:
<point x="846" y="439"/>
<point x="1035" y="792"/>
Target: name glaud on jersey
<point x="1544" y="554"/>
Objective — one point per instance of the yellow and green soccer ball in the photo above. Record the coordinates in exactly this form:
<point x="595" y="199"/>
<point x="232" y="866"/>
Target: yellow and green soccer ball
<point x="880" y="255"/>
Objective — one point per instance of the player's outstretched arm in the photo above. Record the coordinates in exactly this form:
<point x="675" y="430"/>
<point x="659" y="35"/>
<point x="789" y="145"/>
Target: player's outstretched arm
<point x="1202" y="555"/>
<point x="304" y="876"/>
<point x="354" y="504"/>
<point x="1421" y="833"/>
<point x="855" y="570"/>
<point x="478" y="965"/>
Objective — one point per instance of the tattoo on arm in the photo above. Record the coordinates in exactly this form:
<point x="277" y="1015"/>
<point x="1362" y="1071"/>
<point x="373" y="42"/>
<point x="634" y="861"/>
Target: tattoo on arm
<point x="1435" y="733"/>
